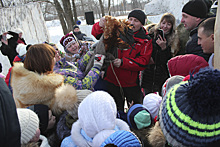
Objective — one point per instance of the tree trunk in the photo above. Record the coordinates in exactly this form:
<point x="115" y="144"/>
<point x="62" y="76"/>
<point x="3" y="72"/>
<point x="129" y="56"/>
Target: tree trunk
<point x="217" y="37"/>
<point x="102" y="8"/>
<point x="83" y="8"/>
<point x="2" y="3"/>
<point x="74" y="12"/>
<point x="61" y="16"/>
<point x="109" y="7"/>
<point x="68" y="14"/>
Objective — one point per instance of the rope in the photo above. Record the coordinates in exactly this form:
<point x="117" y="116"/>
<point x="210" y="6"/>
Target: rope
<point x="121" y="90"/>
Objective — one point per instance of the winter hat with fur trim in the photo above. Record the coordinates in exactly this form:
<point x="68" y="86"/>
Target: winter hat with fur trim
<point x="29" y="123"/>
<point x="190" y="112"/>
<point x="122" y="138"/>
<point x="68" y="39"/>
<point x="21" y="49"/>
<point x="138" y="117"/>
<point x="139" y="14"/>
<point x="196" y="8"/>
<point x="97" y="112"/>
<point x="152" y="103"/>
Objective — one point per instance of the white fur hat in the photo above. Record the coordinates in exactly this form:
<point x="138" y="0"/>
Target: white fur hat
<point x="21" y="49"/>
<point x="29" y="122"/>
<point x="18" y="31"/>
<point x="152" y="102"/>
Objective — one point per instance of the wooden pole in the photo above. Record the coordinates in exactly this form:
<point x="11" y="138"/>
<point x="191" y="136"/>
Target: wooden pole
<point x="217" y="40"/>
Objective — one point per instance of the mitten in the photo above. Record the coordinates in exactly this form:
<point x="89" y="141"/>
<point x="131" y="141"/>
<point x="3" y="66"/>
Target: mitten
<point x="98" y="61"/>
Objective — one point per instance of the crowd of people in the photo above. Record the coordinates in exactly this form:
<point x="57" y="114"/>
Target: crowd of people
<point x="51" y="98"/>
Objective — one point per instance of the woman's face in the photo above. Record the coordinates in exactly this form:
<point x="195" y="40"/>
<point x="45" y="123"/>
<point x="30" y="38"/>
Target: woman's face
<point x="73" y="48"/>
<point x="166" y="26"/>
<point x="52" y="120"/>
<point x="57" y="55"/>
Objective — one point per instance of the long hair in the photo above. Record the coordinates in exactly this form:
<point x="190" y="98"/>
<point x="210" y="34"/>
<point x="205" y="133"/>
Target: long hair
<point x="168" y="17"/>
<point x="40" y="58"/>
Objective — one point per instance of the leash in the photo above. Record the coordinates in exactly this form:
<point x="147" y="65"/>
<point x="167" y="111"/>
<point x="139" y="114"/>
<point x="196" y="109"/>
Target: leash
<point x="121" y="90"/>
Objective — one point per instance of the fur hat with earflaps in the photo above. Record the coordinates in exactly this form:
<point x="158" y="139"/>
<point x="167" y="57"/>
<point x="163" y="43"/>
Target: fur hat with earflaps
<point x="190" y="112"/>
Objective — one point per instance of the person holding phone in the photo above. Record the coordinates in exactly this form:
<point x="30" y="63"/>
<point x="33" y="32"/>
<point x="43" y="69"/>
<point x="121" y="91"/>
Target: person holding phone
<point x="8" y="47"/>
<point x="156" y="73"/>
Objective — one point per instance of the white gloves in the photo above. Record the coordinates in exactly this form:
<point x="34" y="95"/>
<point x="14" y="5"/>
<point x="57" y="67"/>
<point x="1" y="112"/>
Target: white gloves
<point x="98" y="61"/>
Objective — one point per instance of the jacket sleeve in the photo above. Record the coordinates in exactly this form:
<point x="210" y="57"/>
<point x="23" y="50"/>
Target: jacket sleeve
<point x="86" y="83"/>
<point x="141" y="60"/>
<point x="82" y="63"/>
<point x="5" y="49"/>
<point x="97" y="31"/>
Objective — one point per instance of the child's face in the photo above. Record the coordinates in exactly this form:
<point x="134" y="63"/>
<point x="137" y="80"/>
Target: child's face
<point x="36" y="136"/>
<point x="52" y="120"/>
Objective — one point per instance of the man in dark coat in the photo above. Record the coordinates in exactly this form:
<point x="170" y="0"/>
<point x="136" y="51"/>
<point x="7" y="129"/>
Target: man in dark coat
<point x="193" y="13"/>
<point x="10" y="129"/>
<point x="78" y="33"/>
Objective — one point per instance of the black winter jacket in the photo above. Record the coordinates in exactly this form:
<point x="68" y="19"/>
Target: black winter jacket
<point x="153" y="77"/>
<point x="192" y="46"/>
<point x="10" y="49"/>
<point x="10" y="129"/>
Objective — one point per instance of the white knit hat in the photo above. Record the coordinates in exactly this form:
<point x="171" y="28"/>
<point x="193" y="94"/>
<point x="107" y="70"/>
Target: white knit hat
<point x="21" y="49"/>
<point x="97" y="112"/>
<point x="152" y="102"/>
<point x="18" y="31"/>
<point x="29" y="122"/>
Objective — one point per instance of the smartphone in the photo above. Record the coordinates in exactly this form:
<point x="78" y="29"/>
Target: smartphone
<point x="4" y="37"/>
<point x="161" y="33"/>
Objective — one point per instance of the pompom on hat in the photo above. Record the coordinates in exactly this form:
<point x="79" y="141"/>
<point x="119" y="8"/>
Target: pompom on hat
<point x="139" y="14"/>
<point x="68" y="39"/>
<point x="29" y="123"/>
<point x="138" y="117"/>
<point x="196" y="8"/>
<point x="152" y="102"/>
<point x="190" y="112"/>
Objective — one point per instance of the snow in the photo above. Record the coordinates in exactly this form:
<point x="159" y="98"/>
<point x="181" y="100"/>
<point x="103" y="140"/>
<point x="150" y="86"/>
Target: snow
<point x="52" y="31"/>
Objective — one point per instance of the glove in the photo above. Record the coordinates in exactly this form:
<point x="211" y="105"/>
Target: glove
<point x="98" y="61"/>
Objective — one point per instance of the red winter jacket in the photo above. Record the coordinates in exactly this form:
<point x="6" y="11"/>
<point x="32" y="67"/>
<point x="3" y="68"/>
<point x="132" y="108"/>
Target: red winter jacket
<point x="132" y="61"/>
<point x="185" y="64"/>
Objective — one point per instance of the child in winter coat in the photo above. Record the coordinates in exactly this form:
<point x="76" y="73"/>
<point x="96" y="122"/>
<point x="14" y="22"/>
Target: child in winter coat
<point x="97" y="121"/>
<point x="74" y="72"/>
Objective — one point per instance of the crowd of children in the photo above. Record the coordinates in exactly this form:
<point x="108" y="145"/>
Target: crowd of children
<point x="48" y="96"/>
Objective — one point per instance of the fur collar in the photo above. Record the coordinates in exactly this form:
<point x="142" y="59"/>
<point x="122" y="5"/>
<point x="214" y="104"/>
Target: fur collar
<point x="156" y="137"/>
<point x="32" y="88"/>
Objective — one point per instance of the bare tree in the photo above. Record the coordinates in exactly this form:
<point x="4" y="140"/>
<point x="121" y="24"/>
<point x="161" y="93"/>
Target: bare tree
<point x="102" y="8"/>
<point x="74" y="10"/>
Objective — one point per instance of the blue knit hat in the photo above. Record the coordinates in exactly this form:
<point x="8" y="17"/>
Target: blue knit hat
<point x="122" y="139"/>
<point x="138" y="117"/>
<point x="190" y="112"/>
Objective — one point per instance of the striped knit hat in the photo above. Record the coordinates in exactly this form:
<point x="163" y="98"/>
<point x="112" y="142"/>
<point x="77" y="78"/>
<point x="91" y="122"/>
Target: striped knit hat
<point x="29" y="122"/>
<point x="190" y="112"/>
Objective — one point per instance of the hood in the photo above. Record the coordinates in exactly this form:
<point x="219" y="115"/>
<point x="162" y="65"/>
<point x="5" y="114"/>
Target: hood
<point x="97" y="112"/>
<point x="185" y="64"/>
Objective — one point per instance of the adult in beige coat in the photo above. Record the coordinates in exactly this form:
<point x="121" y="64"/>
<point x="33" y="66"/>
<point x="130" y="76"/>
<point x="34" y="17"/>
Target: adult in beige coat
<point x="35" y="83"/>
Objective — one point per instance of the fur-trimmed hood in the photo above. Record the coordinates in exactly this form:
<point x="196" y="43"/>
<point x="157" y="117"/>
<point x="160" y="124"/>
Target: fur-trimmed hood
<point x="32" y="88"/>
<point x="80" y="140"/>
<point x="156" y="137"/>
